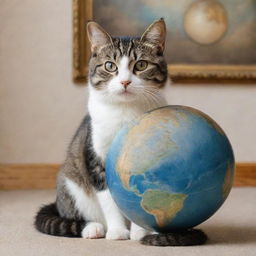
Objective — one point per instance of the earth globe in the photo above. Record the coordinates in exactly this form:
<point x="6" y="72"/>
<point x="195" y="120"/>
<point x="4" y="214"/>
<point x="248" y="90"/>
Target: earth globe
<point x="171" y="168"/>
<point x="205" y="21"/>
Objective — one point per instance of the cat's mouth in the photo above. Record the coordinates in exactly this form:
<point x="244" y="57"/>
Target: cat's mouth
<point x="126" y="93"/>
<point x="126" y="96"/>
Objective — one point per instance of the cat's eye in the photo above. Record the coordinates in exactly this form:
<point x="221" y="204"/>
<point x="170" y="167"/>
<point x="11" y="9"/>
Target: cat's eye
<point x="141" y="65"/>
<point x="110" y="66"/>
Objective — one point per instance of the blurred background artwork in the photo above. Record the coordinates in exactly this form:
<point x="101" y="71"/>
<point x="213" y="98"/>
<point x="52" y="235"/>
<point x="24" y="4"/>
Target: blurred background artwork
<point x="205" y="39"/>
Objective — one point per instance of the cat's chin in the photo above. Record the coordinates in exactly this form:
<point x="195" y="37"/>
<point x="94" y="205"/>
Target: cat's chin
<point x="125" y="97"/>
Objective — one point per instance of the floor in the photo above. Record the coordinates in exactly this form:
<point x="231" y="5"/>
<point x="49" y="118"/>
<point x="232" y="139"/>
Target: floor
<point x="232" y="230"/>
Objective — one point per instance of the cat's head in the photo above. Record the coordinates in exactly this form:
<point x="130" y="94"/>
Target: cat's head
<point x="126" y="69"/>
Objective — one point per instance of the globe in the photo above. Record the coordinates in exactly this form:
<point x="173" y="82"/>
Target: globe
<point x="205" y="21"/>
<point x="170" y="169"/>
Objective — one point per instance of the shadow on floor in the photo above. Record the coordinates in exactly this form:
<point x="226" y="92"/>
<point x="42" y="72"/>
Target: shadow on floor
<point x="228" y="234"/>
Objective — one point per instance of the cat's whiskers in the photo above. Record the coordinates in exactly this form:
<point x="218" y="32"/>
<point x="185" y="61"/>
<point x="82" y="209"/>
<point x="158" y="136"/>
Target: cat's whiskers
<point x="148" y="96"/>
<point x="139" y="92"/>
<point x="151" y="93"/>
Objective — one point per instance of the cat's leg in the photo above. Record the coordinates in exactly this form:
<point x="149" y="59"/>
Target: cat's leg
<point x="116" y="226"/>
<point x="138" y="232"/>
<point x="88" y="207"/>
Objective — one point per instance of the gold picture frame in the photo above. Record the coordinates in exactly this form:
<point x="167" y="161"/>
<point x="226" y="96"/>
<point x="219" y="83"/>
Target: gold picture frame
<point x="83" y="11"/>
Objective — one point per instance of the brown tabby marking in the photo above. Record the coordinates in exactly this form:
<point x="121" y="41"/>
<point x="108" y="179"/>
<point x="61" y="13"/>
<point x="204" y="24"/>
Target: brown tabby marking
<point x="135" y="50"/>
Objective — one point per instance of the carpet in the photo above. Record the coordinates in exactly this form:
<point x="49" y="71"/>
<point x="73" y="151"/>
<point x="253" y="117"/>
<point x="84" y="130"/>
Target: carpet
<point x="231" y="231"/>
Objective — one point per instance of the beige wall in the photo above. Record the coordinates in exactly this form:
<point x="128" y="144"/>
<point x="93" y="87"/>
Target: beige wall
<point x="40" y="107"/>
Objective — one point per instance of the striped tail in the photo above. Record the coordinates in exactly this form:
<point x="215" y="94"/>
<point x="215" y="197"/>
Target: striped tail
<point x="178" y="238"/>
<point x="49" y="221"/>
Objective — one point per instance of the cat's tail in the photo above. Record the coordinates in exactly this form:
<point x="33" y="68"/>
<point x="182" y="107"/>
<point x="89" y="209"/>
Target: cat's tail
<point x="177" y="238"/>
<point x="49" y="221"/>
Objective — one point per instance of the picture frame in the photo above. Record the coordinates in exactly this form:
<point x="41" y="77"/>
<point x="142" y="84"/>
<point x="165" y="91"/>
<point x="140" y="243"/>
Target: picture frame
<point x="188" y="70"/>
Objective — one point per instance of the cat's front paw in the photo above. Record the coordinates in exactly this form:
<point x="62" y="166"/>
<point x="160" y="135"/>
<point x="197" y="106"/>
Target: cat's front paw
<point x="93" y="230"/>
<point x="139" y="233"/>
<point x="118" y="234"/>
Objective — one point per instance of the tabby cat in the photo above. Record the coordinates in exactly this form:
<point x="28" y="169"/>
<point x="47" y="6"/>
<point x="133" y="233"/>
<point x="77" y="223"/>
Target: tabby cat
<point x="127" y="77"/>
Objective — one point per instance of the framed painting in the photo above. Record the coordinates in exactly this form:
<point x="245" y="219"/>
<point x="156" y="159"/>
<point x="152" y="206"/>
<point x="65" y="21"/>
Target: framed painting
<point x="207" y="40"/>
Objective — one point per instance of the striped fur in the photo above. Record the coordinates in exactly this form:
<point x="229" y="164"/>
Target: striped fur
<point x="48" y="221"/>
<point x="179" y="238"/>
<point x="82" y="167"/>
<point x="135" y="50"/>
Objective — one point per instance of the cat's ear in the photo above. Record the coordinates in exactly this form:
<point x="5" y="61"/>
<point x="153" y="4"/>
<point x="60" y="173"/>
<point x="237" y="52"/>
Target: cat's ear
<point x="155" y="34"/>
<point x="97" y="35"/>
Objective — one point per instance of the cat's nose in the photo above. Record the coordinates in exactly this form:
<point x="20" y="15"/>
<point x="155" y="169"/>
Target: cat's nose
<point x="125" y="83"/>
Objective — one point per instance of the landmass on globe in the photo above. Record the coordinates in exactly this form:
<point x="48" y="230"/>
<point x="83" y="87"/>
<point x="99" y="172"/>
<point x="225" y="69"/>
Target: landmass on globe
<point x="135" y="149"/>
<point x="162" y="204"/>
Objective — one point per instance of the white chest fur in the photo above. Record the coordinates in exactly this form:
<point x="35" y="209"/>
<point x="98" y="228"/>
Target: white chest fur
<point x="107" y="119"/>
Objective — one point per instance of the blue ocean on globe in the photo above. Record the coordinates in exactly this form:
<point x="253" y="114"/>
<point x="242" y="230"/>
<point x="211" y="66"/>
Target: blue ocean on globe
<point x="171" y="168"/>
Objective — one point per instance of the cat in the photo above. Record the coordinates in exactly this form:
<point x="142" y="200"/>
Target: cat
<point x="127" y="77"/>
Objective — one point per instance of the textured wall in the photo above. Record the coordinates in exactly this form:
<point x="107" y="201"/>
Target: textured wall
<point x="40" y="107"/>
